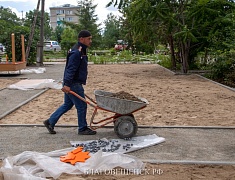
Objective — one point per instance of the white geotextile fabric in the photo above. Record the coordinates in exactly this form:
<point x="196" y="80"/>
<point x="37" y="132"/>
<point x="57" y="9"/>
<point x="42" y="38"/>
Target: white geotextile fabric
<point x="30" y="84"/>
<point x="26" y="71"/>
<point x="124" y="146"/>
<point x="29" y="71"/>
<point x="31" y="165"/>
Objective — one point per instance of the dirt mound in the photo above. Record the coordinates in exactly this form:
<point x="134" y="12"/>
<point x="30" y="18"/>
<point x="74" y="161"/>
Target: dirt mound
<point x="125" y="95"/>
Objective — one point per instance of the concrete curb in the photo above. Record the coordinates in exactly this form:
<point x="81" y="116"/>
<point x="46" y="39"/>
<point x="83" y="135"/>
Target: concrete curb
<point x="141" y="127"/>
<point x="188" y="162"/>
<point x="227" y="87"/>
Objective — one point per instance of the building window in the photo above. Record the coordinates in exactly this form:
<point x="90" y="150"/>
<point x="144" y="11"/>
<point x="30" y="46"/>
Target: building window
<point x="69" y="19"/>
<point x="69" y="12"/>
<point x="60" y="18"/>
<point x="60" y="11"/>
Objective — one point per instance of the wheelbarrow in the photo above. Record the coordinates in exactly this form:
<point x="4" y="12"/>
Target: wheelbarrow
<point x="125" y="125"/>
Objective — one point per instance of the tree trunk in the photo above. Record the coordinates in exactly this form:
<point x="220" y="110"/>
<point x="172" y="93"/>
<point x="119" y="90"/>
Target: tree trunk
<point x="171" y="44"/>
<point x="185" y="56"/>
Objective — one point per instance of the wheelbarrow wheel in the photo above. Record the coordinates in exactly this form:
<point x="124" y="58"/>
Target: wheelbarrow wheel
<point x="125" y="127"/>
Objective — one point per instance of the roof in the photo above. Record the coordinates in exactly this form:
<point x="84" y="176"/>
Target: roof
<point x="65" y="6"/>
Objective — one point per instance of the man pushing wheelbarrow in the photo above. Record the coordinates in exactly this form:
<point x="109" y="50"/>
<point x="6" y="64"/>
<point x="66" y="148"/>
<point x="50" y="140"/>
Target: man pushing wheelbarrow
<point x="75" y="76"/>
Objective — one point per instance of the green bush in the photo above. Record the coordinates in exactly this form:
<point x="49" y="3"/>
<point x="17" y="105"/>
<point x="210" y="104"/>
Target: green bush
<point x="223" y="68"/>
<point x="164" y="60"/>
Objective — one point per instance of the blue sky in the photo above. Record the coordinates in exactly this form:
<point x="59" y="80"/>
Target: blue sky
<point x="18" y="6"/>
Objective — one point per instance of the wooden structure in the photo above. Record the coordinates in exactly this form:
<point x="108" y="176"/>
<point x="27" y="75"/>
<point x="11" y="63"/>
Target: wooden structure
<point x="13" y="65"/>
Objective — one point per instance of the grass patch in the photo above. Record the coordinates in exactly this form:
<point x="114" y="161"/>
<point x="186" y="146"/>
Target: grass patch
<point x="53" y="55"/>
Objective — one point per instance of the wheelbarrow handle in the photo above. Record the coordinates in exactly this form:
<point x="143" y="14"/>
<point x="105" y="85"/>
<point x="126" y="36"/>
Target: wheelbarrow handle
<point x="81" y="98"/>
<point x="92" y="100"/>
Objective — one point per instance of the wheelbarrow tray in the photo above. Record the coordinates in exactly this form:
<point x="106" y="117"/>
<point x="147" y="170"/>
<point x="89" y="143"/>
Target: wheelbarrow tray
<point x="105" y="100"/>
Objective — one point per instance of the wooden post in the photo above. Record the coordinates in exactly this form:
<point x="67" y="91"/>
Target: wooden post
<point x="13" y="47"/>
<point x="23" y="48"/>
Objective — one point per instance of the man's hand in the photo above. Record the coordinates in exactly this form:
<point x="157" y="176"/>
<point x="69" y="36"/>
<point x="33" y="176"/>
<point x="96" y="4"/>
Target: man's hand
<point x="66" y="89"/>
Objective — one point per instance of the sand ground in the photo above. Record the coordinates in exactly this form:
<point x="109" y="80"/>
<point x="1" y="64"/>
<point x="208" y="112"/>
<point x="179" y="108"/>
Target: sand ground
<point x="174" y="100"/>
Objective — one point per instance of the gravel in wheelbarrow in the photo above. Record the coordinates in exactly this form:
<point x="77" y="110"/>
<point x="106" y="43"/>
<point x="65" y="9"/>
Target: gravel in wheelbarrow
<point x="121" y="103"/>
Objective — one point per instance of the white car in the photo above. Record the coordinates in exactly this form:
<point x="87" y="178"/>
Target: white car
<point x="51" y="46"/>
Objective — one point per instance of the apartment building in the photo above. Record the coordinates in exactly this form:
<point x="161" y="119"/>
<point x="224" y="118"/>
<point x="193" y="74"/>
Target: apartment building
<point x="61" y="13"/>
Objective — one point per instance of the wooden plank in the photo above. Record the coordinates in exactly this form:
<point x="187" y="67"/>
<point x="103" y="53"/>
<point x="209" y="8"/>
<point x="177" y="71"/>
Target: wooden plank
<point x="9" y="66"/>
<point x="23" y="48"/>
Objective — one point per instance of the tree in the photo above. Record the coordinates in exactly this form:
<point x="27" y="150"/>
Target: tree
<point x="57" y="34"/>
<point x="87" y="20"/>
<point x="29" y="19"/>
<point x="11" y="24"/>
<point x="8" y="19"/>
<point x="111" y="31"/>
<point x="140" y="34"/>
<point x="69" y="38"/>
<point x="187" y="26"/>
